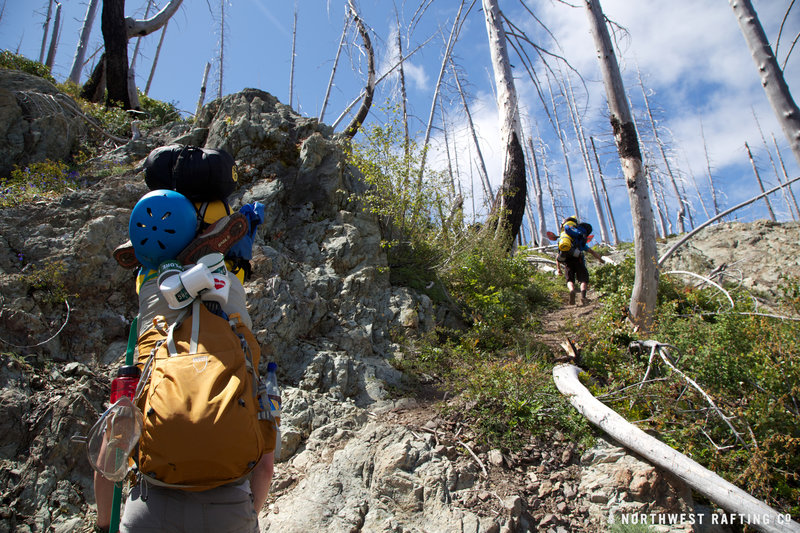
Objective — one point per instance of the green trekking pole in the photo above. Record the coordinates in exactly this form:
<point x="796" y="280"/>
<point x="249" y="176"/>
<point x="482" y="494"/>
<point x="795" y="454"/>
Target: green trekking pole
<point x="116" y="502"/>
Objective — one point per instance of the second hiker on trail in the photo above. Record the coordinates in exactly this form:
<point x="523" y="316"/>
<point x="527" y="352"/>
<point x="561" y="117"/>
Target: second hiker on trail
<point x="573" y="242"/>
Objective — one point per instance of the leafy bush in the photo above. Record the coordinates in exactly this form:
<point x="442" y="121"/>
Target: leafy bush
<point x="117" y="121"/>
<point x="418" y="216"/>
<point x="36" y="181"/>
<point x="748" y="364"/>
<point x="49" y="280"/>
<point x="409" y="206"/>
<point x="14" y="61"/>
<point x="495" y="290"/>
<point x="157" y="113"/>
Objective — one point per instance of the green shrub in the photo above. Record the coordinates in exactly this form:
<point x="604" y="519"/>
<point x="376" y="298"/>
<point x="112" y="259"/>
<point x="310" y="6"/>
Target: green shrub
<point x="496" y="291"/>
<point x="157" y="113"/>
<point x="415" y="213"/>
<point x="117" y="121"/>
<point x="12" y="61"/>
<point x="36" y="181"/>
<point x="48" y="279"/>
<point x="748" y="364"/>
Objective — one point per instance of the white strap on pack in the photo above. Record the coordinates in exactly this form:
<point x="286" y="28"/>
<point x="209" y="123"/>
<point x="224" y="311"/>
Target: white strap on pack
<point x="195" y="326"/>
<point x="173" y="350"/>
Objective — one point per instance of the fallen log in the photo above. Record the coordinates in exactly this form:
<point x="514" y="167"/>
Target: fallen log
<point x="726" y="495"/>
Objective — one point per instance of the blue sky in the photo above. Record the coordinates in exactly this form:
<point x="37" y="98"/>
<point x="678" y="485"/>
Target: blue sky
<point x="690" y="53"/>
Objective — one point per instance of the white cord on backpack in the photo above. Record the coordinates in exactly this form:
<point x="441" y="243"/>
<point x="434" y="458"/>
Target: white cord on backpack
<point x="195" y="326"/>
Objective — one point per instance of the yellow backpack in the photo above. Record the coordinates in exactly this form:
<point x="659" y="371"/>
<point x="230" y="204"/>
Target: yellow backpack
<point x="199" y="389"/>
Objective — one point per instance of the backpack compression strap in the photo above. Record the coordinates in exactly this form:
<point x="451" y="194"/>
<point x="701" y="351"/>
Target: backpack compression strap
<point x="173" y="350"/>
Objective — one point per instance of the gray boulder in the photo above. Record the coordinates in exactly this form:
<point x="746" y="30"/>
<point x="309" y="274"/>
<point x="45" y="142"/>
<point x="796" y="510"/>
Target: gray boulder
<point x="37" y="121"/>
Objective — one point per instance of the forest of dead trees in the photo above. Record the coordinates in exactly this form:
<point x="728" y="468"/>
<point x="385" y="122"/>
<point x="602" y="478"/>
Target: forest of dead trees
<point x="550" y="152"/>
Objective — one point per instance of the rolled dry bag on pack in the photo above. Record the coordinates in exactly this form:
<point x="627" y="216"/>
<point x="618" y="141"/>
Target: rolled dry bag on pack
<point x="200" y="174"/>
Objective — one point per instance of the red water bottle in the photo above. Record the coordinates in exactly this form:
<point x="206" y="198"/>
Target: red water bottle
<point x="125" y="382"/>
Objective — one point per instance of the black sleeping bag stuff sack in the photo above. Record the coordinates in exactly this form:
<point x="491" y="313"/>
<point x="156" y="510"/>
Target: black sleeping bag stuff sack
<point x="200" y="174"/>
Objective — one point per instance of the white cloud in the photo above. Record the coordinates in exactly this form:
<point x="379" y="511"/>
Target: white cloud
<point x="417" y="75"/>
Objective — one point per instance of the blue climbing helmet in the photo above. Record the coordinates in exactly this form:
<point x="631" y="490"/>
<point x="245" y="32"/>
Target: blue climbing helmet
<point x="162" y="223"/>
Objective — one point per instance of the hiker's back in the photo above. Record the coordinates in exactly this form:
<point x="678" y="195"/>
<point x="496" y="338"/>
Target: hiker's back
<point x="573" y="238"/>
<point x="201" y="412"/>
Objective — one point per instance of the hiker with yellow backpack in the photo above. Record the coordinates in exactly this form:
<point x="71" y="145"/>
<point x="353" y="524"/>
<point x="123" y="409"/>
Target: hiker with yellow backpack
<point x="573" y="242"/>
<point x="206" y="433"/>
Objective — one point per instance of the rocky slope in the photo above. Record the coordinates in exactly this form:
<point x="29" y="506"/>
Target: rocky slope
<point x="354" y="458"/>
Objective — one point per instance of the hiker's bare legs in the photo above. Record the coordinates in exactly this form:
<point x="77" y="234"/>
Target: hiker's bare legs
<point x="571" y="287"/>
<point x="261" y="479"/>
<point x="104" y="496"/>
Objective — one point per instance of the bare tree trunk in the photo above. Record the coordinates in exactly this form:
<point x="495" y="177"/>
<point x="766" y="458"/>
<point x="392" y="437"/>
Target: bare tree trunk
<point x="688" y="206"/>
<point x="369" y="90"/>
<point x="448" y="48"/>
<point x="363" y="93"/>
<point x="403" y="94"/>
<point x="785" y="174"/>
<point x="155" y="60"/>
<point x="95" y="86"/>
<point x="117" y="30"/>
<point x="447" y="151"/>
<point x="784" y="192"/>
<point x="138" y="41"/>
<point x="606" y="200"/>
<point x="46" y="30"/>
<point x="116" y="41"/>
<point x="771" y="75"/>
<point x="484" y="175"/>
<point x="662" y="197"/>
<point x="556" y="221"/>
<point x="645" y="285"/>
<point x="528" y="207"/>
<point x="333" y="70"/>
<point x="147" y="26"/>
<point x="51" y="53"/>
<point x="708" y="168"/>
<point x="578" y="127"/>
<point x="700" y="196"/>
<point x="673" y="181"/>
<point x="561" y="136"/>
<point x="662" y="223"/>
<point x="202" y="97"/>
<point x="221" y="47"/>
<point x="83" y="42"/>
<point x="291" y="67"/>
<point x="537" y="188"/>
<point x="134" y="94"/>
<point x="509" y="205"/>
<point x="760" y="183"/>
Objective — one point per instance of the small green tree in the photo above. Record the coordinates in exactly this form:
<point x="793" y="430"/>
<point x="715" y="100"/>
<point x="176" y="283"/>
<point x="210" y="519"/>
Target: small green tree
<point x="419" y="219"/>
<point x="409" y="209"/>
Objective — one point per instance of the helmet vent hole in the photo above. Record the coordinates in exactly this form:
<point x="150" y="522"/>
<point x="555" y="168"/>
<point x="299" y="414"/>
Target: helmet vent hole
<point x="166" y="215"/>
<point x="149" y="212"/>
<point x="170" y="231"/>
<point x="161" y="245"/>
<point x="143" y="241"/>
<point x="140" y="225"/>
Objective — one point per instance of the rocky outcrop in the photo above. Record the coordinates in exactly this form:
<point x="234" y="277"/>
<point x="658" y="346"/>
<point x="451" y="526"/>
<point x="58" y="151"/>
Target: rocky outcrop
<point x="37" y="121"/>
<point x="756" y="255"/>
